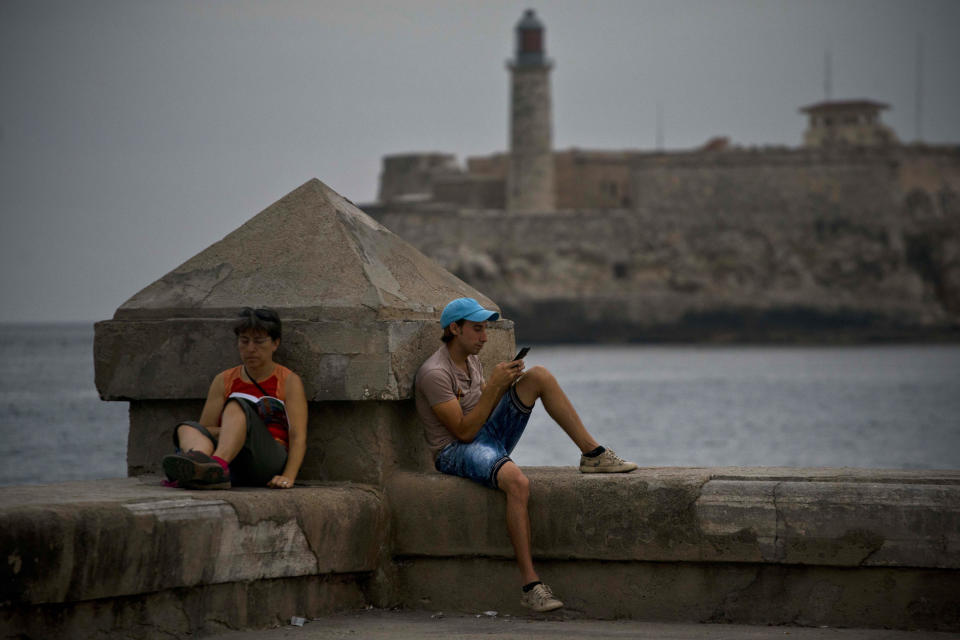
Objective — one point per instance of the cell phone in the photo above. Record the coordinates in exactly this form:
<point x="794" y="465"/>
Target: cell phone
<point x="521" y="353"/>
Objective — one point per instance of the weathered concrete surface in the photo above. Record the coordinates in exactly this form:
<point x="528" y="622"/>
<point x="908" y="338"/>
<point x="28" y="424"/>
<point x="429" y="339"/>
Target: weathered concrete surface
<point x="187" y="612"/>
<point x="854" y="518"/>
<point x="377" y="624"/>
<point x="360" y="307"/>
<point x="738" y="593"/>
<point x="773" y="546"/>
<point x="89" y="541"/>
<point x="129" y="557"/>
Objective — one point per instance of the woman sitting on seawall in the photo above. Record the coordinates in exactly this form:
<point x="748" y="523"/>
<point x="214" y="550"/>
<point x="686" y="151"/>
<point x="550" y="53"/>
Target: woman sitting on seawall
<point x="253" y="428"/>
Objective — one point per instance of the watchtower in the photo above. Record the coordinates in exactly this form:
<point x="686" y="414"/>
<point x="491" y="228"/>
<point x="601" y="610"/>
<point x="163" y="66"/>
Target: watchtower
<point x="847" y="122"/>
<point x="530" y="177"/>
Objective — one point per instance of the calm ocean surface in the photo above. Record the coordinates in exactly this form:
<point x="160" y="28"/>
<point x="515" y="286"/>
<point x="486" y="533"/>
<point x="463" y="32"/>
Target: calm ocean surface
<point x="866" y="406"/>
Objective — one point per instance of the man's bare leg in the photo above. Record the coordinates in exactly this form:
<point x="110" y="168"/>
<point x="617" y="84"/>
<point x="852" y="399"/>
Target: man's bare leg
<point x="517" y="487"/>
<point x="538" y="382"/>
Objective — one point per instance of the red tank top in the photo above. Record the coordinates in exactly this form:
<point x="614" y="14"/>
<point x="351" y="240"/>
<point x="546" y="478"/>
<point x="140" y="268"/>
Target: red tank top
<point x="272" y="410"/>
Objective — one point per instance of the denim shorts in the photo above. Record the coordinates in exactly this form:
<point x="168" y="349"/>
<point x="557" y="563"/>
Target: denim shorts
<point x="481" y="459"/>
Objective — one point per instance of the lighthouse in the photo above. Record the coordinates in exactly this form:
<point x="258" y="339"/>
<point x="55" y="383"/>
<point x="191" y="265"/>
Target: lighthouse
<point x="530" y="177"/>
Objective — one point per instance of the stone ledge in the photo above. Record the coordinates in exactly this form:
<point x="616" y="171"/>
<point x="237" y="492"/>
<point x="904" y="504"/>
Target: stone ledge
<point x="84" y="541"/>
<point x="828" y="517"/>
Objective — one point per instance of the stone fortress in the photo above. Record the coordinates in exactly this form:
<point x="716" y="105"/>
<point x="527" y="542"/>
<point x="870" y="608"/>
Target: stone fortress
<point x="852" y="236"/>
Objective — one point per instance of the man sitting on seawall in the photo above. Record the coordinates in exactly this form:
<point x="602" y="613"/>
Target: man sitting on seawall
<point x="253" y="427"/>
<point x="471" y="426"/>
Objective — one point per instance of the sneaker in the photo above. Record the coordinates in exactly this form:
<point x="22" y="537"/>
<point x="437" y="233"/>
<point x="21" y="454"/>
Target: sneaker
<point x="606" y="462"/>
<point x="540" y="599"/>
<point x="195" y="470"/>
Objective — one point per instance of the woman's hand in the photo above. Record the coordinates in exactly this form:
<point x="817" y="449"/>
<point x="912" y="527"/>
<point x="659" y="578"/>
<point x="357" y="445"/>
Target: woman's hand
<point x="280" y="482"/>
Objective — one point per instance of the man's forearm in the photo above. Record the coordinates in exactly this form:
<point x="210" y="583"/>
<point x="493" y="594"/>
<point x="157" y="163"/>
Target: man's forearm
<point x="472" y="422"/>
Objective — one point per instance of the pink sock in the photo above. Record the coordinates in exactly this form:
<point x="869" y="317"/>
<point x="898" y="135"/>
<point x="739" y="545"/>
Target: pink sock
<point x="223" y="463"/>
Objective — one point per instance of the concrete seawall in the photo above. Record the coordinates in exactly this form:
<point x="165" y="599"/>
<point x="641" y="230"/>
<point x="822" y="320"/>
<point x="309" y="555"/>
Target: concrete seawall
<point x="769" y="546"/>
<point x="760" y="546"/>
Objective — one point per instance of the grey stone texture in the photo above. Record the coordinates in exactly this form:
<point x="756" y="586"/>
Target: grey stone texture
<point x="360" y="310"/>
<point x="360" y="307"/>
<point x="123" y="537"/>
<point x="772" y="546"/>
<point x="133" y="559"/>
<point x="394" y="624"/>
<point x="810" y="547"/>
<point x="846" y="518"/>
<point x="530" y="180"/>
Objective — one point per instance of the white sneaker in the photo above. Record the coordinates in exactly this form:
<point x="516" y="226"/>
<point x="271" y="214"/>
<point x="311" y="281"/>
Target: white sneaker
<point x="540" y="599"/>
<point x="606" y="462"/>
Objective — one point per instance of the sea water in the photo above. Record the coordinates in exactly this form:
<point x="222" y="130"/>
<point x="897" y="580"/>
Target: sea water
<point x="53" y="425"/>
<point x="893" y="406"/>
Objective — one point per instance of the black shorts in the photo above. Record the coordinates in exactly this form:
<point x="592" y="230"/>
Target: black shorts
<point x="261" y="457"/>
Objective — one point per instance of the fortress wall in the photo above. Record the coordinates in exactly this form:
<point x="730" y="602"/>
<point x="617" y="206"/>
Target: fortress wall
<point x="778" y="182"/>
<point x="733" y="245"/>
<point x="471" y="191"/>
<point x="648" y="273"/>
<point x="589" y="179"/>
<point x="494" y="165"/>
<point x="776" y="179"/>
<point x="413" y="173"/>
<point x="583" y="179"/>
<point x="933" y="170"/>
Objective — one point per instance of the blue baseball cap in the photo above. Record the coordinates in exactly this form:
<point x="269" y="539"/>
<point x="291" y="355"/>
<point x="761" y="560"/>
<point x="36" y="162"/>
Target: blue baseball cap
<point x="466" y="309"/>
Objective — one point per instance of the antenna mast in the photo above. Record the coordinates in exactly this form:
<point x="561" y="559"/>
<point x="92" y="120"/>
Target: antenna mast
<point x="827" y="76"/>
<point x="918" y="97"/>
<point x="659" y="127"/>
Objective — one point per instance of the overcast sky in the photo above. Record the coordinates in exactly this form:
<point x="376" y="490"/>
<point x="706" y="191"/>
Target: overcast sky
<point x="133" y="134"/>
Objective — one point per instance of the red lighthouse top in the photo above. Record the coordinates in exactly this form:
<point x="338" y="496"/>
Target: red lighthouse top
<point x="529" y="40"/>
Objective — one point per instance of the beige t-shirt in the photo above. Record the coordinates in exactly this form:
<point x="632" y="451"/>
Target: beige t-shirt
<point x="439" y="380"/>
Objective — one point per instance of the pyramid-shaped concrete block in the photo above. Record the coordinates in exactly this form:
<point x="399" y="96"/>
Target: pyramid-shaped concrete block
<point x="360" y="307"/>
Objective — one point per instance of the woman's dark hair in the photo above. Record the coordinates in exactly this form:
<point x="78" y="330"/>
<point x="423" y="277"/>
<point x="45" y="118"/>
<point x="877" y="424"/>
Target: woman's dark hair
<point x="447" y="336"/>
<point x="257" y="320"/>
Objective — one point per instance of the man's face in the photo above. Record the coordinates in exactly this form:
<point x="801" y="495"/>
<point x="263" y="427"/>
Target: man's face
<point x="472" y="336"/>
<point x="256" y="348"/>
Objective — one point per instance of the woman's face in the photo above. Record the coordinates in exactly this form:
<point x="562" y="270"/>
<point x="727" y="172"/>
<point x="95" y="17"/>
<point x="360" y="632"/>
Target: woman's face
<point x="256" y="348"/>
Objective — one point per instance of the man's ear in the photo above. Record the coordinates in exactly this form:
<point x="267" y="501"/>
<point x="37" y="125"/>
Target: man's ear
<point x="454" y="328"/>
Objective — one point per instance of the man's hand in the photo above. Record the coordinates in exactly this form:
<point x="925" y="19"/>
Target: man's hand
<point x="505" y="374"/>
<point x="280" y="482"/>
